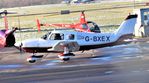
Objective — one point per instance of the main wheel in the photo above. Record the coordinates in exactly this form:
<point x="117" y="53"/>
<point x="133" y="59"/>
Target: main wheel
<point x="66" y="59"/>
<point x="32" y="61"/>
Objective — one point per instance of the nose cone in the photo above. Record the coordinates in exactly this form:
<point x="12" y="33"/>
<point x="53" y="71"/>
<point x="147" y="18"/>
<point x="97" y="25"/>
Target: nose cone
<point x="32" y="43"/>
<point x="26" y="43"/>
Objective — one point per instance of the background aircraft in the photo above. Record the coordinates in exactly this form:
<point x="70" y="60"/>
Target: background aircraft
<point x="7" y="37"/>
<point x="82" y="25"/>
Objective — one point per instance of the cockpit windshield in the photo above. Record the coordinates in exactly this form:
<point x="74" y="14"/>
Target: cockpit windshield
<point x="46" y="36"/>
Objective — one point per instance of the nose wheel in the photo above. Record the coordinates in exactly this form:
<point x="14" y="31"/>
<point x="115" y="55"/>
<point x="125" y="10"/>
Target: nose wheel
<point x="66" y="59"/>
<point x="34" y="58"/>
<point x="31" y="61"/>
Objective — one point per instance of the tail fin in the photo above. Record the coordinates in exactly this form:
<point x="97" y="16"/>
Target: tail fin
<point x="127" y="27"/>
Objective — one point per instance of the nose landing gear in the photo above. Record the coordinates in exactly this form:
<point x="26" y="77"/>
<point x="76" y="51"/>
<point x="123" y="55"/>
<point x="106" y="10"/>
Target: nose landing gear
<point x="34" y="58"/>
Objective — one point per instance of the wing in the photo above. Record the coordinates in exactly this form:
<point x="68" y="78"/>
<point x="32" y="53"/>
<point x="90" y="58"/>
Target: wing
<point x="70" y="46"/>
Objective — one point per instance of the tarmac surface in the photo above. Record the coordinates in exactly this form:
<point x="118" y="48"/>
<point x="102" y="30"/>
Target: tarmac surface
<point x="119" y="64"/>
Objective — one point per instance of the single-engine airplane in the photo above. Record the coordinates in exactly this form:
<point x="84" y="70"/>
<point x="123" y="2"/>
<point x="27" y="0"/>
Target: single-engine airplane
<point x="65" y="42"/>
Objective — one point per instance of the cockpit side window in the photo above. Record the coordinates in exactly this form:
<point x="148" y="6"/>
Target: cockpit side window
<point x="46" y="36"/>
<point x="57" y="36"/>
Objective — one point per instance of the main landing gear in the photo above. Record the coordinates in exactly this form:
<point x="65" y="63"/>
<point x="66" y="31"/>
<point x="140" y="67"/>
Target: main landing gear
<point x="65" y="57"/>
<point x="62" y="56"/>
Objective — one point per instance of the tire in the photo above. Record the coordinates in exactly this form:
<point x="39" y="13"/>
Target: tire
<point x="66" y="59"/>
<point x="32" y="61"/>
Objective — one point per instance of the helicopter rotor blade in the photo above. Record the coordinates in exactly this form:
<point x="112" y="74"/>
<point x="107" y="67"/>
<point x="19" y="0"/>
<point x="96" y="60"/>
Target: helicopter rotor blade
<point x="5" y="12"/>
<point x="62" y="12"/>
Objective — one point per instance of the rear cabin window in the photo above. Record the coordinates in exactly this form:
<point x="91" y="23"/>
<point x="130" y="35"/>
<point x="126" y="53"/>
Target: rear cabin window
<point x="57" y="36"/>
<point x="71" y="37"/>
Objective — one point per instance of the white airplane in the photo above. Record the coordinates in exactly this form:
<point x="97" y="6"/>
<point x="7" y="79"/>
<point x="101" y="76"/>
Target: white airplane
<point x="67" y="41"/>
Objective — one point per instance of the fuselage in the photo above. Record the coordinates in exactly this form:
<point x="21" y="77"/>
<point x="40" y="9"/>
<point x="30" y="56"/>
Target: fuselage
<point x="86" y="41"/>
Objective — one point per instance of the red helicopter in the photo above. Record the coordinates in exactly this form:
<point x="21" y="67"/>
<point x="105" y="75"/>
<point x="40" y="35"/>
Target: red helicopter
<point x="82" y="25"/>
<point x="7" y="37"/>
